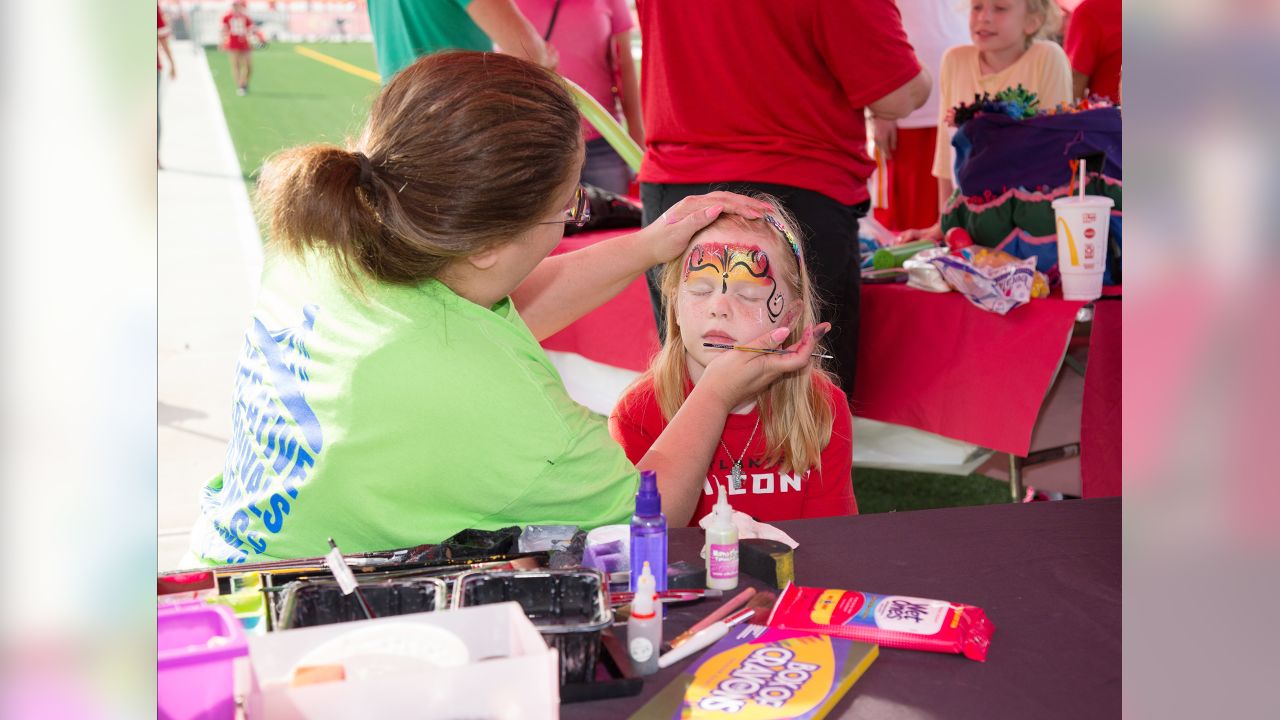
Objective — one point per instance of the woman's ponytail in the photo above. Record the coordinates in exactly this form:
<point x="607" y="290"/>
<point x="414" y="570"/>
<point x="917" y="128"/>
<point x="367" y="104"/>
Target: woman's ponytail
<point x="318" y="197"/>
<point x="462" y="152"/>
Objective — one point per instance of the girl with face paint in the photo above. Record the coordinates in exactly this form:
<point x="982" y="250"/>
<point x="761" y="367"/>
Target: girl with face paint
<point x="787" y="452"/>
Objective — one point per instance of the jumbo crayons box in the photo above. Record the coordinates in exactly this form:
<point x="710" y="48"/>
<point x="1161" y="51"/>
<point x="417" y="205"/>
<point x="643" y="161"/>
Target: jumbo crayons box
<point x="764" y="673"/>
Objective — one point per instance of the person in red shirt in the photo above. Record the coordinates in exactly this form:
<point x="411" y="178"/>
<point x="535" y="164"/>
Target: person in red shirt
<point x="1093" y="44"/>
<point x="237" y="27"/>
<point x="162" y="44"/>
<point x="770" y="97"/>
<point x="788" y="451"/>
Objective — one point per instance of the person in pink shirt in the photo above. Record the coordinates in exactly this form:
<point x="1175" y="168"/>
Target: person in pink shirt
<point x="593" y="39"/>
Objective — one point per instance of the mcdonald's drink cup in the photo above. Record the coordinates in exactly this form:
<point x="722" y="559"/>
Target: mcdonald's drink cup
<point x="1083" y="222"/>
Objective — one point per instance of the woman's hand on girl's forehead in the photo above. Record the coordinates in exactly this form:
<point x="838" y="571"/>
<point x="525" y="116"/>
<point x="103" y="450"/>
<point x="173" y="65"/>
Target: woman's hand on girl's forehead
<point x="747" y="207"/>
<point x="671" y="233"/>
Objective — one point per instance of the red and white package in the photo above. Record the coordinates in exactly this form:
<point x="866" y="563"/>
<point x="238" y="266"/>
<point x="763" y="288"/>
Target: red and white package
<point x="892" y="621"/>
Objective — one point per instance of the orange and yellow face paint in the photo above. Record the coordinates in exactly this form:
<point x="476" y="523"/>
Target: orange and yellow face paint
<point x="741" y="271"/>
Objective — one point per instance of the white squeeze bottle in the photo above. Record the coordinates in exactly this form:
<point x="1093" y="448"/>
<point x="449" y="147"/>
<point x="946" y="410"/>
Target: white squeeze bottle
<point x="644" y="628"/>
<point x="722" y="546"/>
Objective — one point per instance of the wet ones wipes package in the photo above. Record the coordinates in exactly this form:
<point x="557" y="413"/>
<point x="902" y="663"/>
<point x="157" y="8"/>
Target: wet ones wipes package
<point x="894" y="621"/>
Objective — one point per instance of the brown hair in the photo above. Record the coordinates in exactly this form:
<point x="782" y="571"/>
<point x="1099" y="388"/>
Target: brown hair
<point x="462" y="152"/>
<point x="794" y="411"/>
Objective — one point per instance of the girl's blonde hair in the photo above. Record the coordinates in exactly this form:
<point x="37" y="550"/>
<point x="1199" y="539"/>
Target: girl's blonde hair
<point x="1051" y="14"/>
<point x="795" y="413"/>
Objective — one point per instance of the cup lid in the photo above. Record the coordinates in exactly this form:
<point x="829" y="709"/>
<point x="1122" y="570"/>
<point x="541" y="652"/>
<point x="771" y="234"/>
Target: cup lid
<point x="1084" y="201"/>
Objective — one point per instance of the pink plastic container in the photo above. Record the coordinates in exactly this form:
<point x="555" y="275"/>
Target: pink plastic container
<point x="197" y="645"/>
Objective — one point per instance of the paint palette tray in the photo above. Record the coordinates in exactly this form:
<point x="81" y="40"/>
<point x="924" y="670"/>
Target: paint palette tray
<point x="307" y="603"/>
<point x="509" y="670"/>
<point x="569" y="607"/>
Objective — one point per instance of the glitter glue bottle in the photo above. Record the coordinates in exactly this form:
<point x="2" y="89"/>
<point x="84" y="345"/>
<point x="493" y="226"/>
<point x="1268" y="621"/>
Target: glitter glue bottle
<point x="644" y="627"/>
<point x="722" y="546"/>
<point x="649" y="533"/>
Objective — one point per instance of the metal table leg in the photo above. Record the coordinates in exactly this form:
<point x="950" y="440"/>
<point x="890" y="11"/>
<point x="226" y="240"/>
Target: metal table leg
<point x="1016" y="464"/>
<point x="1015" y="477"/>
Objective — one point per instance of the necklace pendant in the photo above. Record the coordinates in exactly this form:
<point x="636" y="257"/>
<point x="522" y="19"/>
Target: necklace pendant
<point x="735" y="476"/>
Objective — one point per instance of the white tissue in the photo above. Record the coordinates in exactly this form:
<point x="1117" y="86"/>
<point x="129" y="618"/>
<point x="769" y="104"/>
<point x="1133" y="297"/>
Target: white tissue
<point x="748" y="528"/>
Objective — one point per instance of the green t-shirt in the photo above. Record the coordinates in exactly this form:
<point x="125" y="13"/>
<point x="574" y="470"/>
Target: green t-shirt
<point x="405" y="30"/>
<point x="397" y="419"/>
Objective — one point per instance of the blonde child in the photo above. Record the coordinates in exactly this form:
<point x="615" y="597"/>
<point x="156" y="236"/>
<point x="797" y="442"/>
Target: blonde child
<point x="786" y="453"/>
<point x="1006" y="52"/>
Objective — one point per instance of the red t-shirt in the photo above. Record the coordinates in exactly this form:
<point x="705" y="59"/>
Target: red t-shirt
<point x="767" y="494"/>
<point x="1093" y="43"/>
<point x="767" y="91"/>
<point x="237" y="26"/>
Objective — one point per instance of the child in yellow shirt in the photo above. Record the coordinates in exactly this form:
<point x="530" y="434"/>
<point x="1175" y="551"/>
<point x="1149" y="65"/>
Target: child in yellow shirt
<point x="1006" y="52"/>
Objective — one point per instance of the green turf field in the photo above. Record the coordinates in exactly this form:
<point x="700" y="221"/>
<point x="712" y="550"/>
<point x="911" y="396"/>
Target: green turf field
<point x="893" y="490"/>
<point x="293" y="99"/>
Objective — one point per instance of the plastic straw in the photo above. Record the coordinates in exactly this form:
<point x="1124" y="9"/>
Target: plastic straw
<point x="1083" y="165"/>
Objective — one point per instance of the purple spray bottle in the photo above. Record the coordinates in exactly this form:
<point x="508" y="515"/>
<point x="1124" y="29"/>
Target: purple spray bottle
<point x="649" y="533"/>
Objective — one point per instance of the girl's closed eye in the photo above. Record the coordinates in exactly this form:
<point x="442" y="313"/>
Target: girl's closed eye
<point x="699" y="288"/>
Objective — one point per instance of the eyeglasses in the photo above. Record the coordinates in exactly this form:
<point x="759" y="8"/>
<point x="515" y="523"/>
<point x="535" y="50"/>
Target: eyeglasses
<point x="578" y="213"/>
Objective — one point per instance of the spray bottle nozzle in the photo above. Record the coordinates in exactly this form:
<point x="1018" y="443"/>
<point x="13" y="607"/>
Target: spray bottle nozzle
<point x="648" y="500"/>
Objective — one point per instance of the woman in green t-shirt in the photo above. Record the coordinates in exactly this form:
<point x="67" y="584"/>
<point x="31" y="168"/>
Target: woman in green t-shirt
<point x="388" y="392"/>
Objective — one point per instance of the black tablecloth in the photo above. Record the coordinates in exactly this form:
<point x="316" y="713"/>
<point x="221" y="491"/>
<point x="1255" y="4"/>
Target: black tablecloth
<point x="1047" y="574"/>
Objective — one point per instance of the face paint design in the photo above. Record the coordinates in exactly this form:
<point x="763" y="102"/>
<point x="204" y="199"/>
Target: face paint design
<point x="745" y="270"/>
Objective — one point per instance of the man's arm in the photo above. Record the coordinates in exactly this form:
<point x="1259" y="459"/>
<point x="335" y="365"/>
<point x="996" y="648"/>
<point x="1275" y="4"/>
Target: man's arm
<point x="1079" y="83"/>
<point x="903" y="101"/>
<point x="502" y="21"/>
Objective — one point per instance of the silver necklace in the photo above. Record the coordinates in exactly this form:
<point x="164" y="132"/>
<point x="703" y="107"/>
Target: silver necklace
<point x="735" y="474"/>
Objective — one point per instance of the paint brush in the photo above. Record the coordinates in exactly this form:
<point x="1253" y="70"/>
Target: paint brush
<point x="766" y="351"/>
<point x="719" y="613"/>
<point x="704" y="637"/>
<point x="671" y="596"/>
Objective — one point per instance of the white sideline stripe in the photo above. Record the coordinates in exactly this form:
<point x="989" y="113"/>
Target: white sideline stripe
<point x="246" y="225"/>
<point x="897" y="447"/>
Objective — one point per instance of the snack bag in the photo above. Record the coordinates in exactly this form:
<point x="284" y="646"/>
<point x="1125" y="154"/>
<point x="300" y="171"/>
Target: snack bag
<point x="893" y="621"/>
<point x="991" y="279"/>
<point x="992" y="260"/>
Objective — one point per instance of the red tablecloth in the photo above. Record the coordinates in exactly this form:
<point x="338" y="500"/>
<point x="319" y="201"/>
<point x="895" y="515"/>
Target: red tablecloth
<point x="622" y="332"/>
<point x="1100" y="418"/>
<point x="937" y="363"/>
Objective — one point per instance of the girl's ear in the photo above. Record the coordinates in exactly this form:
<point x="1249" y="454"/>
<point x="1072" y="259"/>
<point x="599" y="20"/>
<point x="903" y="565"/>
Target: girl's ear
<point x="1032" y="24"/>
